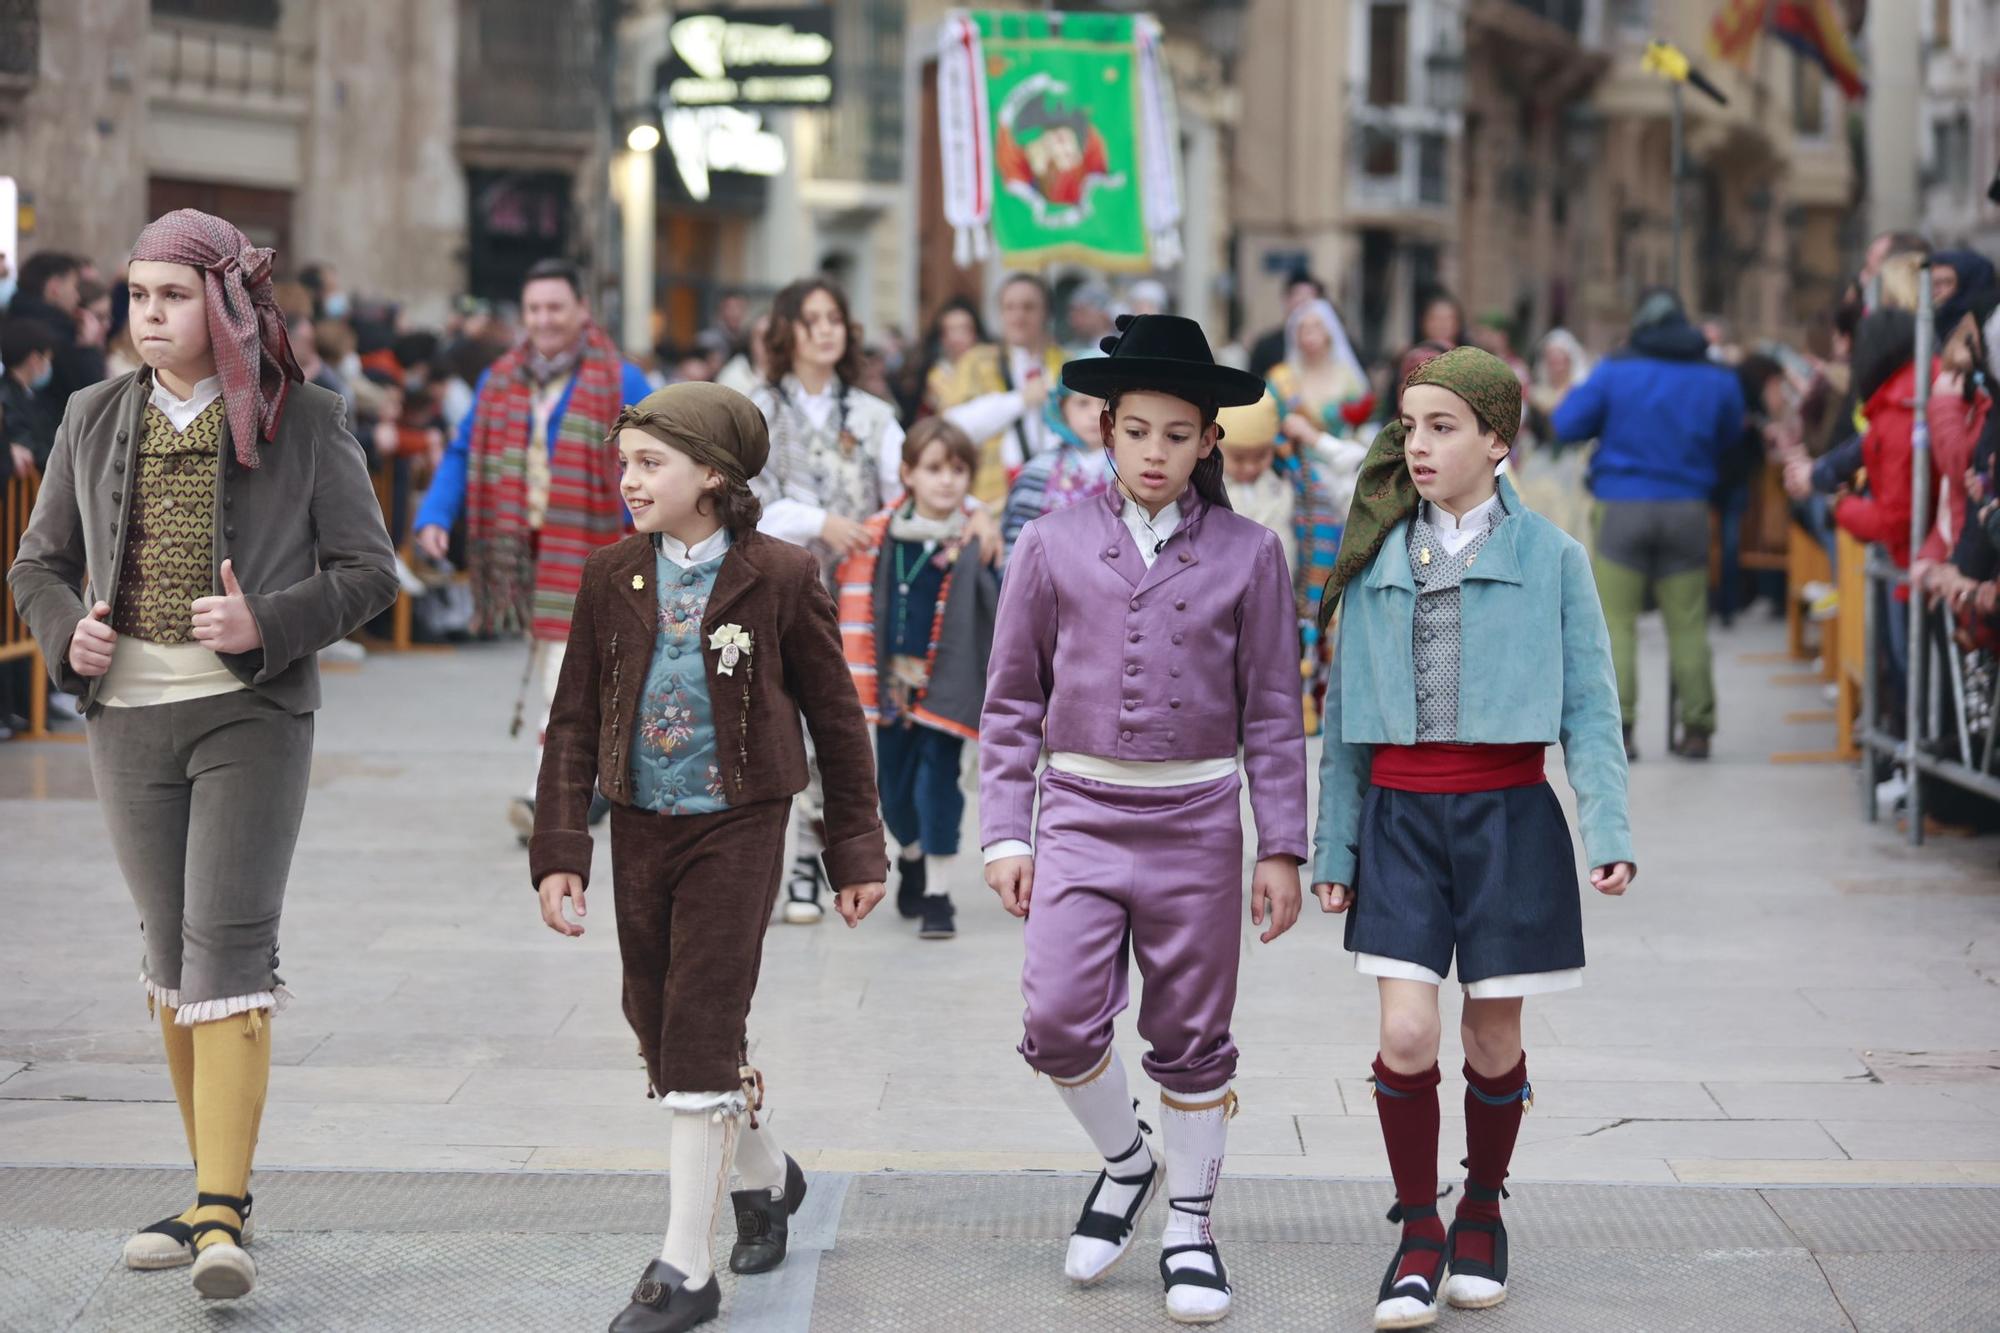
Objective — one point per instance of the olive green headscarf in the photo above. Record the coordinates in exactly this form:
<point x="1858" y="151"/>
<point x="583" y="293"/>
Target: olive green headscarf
<point x="717" y="427"/>
<point x="1384" y="495"/>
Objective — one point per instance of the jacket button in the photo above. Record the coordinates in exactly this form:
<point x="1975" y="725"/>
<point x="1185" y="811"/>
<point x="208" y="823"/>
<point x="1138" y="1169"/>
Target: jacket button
<point x="1185" y="557"/>
<point x="1170" y="735"/>
<point x="673" y="654"/>
<point x="1423" y="667"/>
<point x="117" y="465"/>
<point x="1423" y="696"/>
<point x="1131" y="704"/>
<point x="1177" y="638"/>
<point x="227" y="501"/>
<point x="1132" y="669"/>
<point x="1135" y="600"/>
<point x="1181" y="605"/>
<point x="1111" y="553"/>
<point x="1175" y="672"/>
<point x="1173" y="703"/>
<point x="1134" y="637"/>
<point x="123" y="436"/>
<point x="229" y="531"/>
<point x="116" y="497"/>
<point x="1124" y="735"/>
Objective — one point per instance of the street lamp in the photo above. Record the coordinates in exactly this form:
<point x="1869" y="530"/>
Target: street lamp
<point x="1444" y="77"/>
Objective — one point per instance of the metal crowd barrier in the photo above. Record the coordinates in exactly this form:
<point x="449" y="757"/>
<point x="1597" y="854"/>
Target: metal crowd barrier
<point x="1923" y="750"/>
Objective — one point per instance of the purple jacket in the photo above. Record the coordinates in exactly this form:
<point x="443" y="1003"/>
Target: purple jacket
<point x="1094" y="653"/>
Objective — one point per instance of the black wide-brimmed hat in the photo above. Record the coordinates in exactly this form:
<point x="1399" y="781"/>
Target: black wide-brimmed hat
<point x="1167" y="353"/>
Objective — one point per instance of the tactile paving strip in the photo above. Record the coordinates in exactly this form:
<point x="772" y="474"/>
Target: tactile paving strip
<point x="1007" y="1286"/>
<point x="541" y="1251"/>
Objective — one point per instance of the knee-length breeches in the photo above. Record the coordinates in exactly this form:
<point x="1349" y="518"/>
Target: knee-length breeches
<point x="1151" y="871"/>
<point x="203" y="800"/>
<point x="693" y="896"/>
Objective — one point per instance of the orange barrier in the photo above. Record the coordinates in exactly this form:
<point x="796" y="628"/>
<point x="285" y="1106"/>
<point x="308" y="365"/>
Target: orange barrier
<point x="1851" y="643"/>
<point x="1805" y="562"/>
<point x="17" y="502"/>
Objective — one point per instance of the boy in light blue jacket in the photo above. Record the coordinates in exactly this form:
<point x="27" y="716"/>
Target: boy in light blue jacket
<point x="1472" y="640"/>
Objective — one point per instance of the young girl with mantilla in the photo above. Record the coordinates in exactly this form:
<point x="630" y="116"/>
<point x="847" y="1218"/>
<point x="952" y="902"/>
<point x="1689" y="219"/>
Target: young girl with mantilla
<point x="696" y="645"/>
<point x="1145" y="637"/>
<point x="1438" y="833"/>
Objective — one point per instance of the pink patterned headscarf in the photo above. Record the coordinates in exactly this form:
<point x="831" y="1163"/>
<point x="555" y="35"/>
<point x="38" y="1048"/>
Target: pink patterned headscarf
<point x="245" y="327"/>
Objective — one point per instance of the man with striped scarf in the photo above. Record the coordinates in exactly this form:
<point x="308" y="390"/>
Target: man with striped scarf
<point x="535" y="480"/>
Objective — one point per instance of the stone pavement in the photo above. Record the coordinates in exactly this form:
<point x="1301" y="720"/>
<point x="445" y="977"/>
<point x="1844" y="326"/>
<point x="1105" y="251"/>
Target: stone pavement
<point x="1788" y="996"/>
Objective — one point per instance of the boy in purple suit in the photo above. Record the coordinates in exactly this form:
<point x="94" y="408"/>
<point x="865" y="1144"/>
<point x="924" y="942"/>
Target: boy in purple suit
<point x="1144" y="639"/>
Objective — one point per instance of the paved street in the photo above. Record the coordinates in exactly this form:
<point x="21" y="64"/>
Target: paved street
<point x="1788" y="998"/>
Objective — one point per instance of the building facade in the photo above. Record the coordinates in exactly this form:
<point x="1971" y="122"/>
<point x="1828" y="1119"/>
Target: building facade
<point x="424" y="148"/>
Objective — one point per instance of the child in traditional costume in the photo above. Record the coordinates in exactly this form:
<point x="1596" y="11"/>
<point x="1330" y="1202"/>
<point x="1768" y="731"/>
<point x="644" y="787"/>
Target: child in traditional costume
<point x="916" y="618"/>
<point x="1143" y="638"/>
<point x="1077" y="469"/>
<point x="1289" y="491"/>
<point x="1471" y="640"/>
<point x="696" y="645"/>
<point x="219" y="515"/>
<point x="836" y="458"/>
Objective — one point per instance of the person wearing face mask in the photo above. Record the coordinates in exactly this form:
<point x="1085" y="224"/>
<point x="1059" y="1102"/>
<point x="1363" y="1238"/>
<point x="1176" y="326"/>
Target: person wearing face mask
<point x="528" y="470"/>
<point x="27" y="429"/>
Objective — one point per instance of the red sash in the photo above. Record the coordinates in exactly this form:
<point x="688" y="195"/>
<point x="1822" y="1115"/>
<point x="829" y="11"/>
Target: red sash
<point x="1439" y="767"/>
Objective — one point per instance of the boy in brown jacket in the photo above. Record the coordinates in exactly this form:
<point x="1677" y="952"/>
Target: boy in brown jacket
<point x="696" y="645"/>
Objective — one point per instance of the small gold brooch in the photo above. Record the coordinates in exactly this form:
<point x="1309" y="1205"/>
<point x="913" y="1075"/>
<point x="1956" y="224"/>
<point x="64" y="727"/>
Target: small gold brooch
<point x="638" y="580"/>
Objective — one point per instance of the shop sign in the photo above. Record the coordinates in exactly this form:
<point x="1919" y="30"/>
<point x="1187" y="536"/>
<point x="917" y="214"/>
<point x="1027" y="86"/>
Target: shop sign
<point x="751" y="58"/>
<point x="709" y="139"/>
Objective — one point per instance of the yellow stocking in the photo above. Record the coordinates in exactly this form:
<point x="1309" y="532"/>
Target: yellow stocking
<point x="179" y="1042"/>
<point x="232" y="1069"/>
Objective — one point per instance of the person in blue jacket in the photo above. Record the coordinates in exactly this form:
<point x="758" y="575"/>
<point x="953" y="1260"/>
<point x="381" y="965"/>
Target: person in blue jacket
<point x="531" y="470"/>
<point x="1663" y="415"/>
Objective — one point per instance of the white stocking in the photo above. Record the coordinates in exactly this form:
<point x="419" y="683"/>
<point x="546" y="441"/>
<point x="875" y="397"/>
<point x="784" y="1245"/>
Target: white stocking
<point x="1102" y="1104"/>
<point x="760" y="1162"/>
<point x="703" y="1143"/>
<point x="1196" y="1133"/>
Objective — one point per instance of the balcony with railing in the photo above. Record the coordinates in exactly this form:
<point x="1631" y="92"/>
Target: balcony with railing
<point x="528" y="69"/>
<point x="1399" y="164"/>
<point x="228" y="65"/>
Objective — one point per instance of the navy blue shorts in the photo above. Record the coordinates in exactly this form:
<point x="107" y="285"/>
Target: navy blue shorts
<point x="1490" y="874"/>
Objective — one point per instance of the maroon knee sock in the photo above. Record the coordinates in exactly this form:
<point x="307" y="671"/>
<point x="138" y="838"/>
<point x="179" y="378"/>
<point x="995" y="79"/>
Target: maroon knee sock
<point x="1492" y="1121"/>
<point x="1407" y="1105"/>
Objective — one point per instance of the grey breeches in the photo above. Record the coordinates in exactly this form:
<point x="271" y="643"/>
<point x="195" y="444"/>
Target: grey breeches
<point x="203" y="800"/>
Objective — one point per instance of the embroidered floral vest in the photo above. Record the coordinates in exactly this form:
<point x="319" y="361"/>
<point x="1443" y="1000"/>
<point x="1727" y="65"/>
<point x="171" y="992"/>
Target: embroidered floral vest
<point x="674" y="765"/>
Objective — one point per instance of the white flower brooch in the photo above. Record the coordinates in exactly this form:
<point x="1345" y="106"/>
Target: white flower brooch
<point x="734" y="641"/>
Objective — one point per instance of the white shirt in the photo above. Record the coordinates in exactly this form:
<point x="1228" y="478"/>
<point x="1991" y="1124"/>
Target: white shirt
<point x="181" y="412"/>
<point x="703" y="551"/>
<point x="1150" y="533"/>
<point x="1455" y="534"/>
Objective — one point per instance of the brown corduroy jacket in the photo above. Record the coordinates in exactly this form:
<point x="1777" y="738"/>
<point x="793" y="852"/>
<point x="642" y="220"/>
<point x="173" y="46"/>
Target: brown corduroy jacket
<point x="768" y="588"/>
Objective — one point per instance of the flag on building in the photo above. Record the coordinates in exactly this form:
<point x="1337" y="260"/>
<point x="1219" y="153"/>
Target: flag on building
<point x="1813" y="29"/>
<point x="1732" y="35"/>
<point x="1058" y="140"/>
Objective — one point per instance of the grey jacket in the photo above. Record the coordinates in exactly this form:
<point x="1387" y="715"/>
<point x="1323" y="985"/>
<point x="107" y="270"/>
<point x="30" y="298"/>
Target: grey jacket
<point x="303" y="532"/>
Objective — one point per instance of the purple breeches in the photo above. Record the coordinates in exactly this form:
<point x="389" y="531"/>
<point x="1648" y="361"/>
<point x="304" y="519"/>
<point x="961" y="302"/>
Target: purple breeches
<point x="1158" y="870"/>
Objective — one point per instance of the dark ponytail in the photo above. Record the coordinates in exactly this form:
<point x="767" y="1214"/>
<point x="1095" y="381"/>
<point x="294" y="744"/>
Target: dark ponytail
<point x="1207" y="479"/>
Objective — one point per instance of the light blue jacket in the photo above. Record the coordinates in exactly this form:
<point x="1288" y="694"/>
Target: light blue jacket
<point x="1536" y="668"/>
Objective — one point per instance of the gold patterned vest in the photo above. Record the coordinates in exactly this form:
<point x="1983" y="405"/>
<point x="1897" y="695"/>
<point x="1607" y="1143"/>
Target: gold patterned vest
<point x="170" y="538"/>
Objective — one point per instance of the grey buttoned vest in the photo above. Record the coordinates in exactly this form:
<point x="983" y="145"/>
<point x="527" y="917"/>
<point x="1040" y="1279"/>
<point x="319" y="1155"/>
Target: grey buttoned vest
<point x="1436" y="644"/>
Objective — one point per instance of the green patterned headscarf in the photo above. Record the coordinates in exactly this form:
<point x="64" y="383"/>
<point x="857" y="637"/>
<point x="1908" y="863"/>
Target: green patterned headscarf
<point x="1384" y="495"/>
